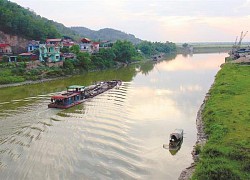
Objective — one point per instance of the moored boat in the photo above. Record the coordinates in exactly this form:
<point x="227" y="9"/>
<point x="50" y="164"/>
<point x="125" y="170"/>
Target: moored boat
<point x="176" y="137"/>
<point x="78" y="94"/>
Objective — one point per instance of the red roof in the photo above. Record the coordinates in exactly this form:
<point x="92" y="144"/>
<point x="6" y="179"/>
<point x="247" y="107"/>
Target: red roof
<point x="68" y="43"/>
<point x="86" y="40"/>
<point x="64" y="96"/>
<point x="95" y="43"/>
<point x="4" y="45"/>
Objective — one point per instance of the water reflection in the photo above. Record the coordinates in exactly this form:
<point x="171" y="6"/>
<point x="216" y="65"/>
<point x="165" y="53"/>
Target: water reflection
<point x="116" y="135"/>
<point x="173" y="149"/>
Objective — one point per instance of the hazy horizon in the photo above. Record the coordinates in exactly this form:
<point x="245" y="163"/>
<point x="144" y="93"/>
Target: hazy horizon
<point x="176" y="21"/>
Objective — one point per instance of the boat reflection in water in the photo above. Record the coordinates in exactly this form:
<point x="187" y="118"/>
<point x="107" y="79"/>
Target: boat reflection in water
<point x="173" y="149"/>
<point x="175" y="142"/>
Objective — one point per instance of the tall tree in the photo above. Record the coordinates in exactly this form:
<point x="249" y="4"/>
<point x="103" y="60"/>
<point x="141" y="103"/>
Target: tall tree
<point x="124" y="51"/>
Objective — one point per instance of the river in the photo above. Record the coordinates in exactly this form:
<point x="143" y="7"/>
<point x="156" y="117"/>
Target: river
<point x="119" y="134"/>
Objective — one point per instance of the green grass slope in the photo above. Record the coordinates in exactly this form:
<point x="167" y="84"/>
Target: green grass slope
<point x="226" y="116"/>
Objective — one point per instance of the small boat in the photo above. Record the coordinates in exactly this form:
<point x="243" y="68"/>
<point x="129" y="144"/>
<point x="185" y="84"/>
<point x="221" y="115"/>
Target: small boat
<point x="78" y="94"/>
<point x="176" y="137"/>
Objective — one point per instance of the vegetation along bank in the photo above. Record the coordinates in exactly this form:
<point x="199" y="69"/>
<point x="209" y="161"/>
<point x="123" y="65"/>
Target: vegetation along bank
<point x="121" y="52"/>
<point x="226" y="118"/>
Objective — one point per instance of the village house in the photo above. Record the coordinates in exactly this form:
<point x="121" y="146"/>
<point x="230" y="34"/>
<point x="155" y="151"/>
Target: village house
<point x="56" y="42"/>
<point x="5" y="49"/>
<point x="33" y="45"/>
<point x="95" y="47"/>
<point x="50" y="51"/>
<point x="106" y="44"/>
<point x="87" y="45"/>
<point x="29" y="56"/>
<point x="67" y="42"/>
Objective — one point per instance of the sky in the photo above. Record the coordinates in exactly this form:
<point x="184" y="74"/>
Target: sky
<point x="153" y="20"/>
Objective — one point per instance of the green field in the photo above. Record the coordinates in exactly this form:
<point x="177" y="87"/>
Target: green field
<point x="226" y="116"/>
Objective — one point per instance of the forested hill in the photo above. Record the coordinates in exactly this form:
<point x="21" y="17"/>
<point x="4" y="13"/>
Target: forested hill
<point x="16" y="20"/>
<point x="106" y="34"/>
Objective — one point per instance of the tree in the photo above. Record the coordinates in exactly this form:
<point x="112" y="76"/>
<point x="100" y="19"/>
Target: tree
<point x="75" y="49"/>
<point x="124" y="50"/>
<point x="107" y="55"/>
<point x="185" y="45"/>
<point x="146" y="48"/>
<point x="5" y="59"/>
<point x="68" y="66"/>
<point x="83" y="59"/>
<point x="103" y="59"/>
<point x="65" y="50"/>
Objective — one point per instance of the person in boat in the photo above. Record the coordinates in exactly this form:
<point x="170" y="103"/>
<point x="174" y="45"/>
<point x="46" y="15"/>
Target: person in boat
<point x="173" y="138"/>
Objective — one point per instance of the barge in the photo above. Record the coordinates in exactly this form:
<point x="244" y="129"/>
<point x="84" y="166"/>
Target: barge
<point x="78" y="94"/>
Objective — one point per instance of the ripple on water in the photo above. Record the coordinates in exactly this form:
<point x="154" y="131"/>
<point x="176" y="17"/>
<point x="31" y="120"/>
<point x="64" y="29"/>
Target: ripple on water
<point x="89" y="141"/>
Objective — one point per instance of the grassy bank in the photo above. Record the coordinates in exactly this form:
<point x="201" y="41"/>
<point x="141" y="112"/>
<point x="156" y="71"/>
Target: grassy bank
<point x="226" y="116"/>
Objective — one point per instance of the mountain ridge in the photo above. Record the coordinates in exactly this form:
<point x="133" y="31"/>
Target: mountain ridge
<point x="19" y="21"/>
<point x="105" y="34"/>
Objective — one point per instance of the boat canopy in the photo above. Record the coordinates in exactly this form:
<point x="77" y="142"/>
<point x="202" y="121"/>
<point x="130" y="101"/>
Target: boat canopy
<point x="177" y="134"/>
<point x="75" y="88"/>
<point x="63" y="96"/>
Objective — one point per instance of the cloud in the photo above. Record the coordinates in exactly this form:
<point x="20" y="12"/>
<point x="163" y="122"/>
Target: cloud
<point x="153" y="104"/>
<point x="186" y="64"/>
<point x="169" y="20"/>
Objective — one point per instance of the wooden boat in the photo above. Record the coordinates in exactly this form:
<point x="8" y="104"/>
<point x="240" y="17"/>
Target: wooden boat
<point x="176" y="137"/>
<point x="78" y="94"/>
<point x="175" y="142"/>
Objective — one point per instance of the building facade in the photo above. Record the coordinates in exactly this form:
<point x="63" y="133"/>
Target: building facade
<point x="5" y="49"/>
<point x="33" y="45"/>
<point x="49" y="52"/>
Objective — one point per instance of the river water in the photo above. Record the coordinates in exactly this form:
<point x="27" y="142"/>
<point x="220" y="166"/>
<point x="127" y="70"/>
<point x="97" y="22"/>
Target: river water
<point x="119" y="134"/>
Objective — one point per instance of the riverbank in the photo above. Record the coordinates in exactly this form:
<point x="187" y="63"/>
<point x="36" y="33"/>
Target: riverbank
<point x="30" y="82"/>
<point x="119" y="65"/>
<point x="201" y="141"/>
<point x="225" y="114"/>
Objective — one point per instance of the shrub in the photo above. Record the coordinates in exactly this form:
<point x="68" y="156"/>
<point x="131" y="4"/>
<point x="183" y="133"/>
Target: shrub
<point x="11" y="79"/>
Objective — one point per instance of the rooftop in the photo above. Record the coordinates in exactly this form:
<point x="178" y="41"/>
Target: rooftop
<point x="4" y="45"/>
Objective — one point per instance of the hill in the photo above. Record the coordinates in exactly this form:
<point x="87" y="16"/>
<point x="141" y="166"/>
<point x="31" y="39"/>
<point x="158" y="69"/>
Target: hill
<point x="16" y="20"/>
<point x="19" y="21"/>
<point x="106" y="34"/>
